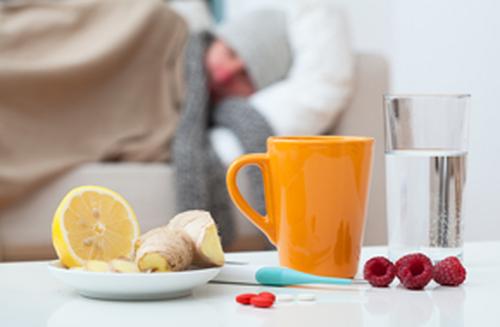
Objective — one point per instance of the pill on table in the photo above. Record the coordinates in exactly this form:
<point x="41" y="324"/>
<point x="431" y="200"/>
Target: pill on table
<point x="269" y="295"/>
<point x="245" y="298"/>
<point x="284" y="298"/>
<point x="306" y="297"/>
<point x="261" y="301"/>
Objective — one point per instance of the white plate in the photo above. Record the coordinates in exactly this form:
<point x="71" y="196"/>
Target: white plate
<point x="133" y="286"/>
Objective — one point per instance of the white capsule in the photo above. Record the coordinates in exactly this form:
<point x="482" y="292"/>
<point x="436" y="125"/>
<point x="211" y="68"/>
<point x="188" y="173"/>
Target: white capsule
<point x="284" y="298"/>
<point x="306" y="297"/>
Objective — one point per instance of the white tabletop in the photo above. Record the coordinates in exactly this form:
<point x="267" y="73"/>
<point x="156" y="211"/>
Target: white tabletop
<point x="29" y="296"/>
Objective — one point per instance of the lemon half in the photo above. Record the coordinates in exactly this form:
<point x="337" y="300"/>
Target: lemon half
<point x="93" y="223"/>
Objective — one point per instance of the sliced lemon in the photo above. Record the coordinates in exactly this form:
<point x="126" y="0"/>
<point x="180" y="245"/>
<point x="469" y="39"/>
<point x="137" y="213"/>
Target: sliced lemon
<point x="93" y="223"/>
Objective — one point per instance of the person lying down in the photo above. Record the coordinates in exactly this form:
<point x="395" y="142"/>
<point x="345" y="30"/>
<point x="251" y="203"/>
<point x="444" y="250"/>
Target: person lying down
<point x="224" y="68"/>
<point x="100" y="80"/>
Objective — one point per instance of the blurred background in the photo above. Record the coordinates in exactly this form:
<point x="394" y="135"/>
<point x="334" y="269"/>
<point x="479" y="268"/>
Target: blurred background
<point x="397" y="46"/>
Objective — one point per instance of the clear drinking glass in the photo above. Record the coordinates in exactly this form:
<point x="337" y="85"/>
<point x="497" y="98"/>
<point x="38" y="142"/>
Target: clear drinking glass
<point x="425" y="153"/>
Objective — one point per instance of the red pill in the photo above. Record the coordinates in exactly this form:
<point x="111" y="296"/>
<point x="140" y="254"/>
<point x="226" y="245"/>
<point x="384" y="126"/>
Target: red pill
<point x="268" y="295"/>
<point x="261" y="301"/>
<point x="245" y="298"/>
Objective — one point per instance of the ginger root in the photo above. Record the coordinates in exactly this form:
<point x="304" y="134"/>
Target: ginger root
<point x="96" y="266"/>
<point x="189" y="238"/>
<point x="116" y="265"/>
<point x="123" y="266"/>
<point x="202" y="231"/>
<point x="163" y="249"/>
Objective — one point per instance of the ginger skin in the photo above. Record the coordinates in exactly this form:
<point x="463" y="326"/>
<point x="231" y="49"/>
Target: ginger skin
<point x="162" y="249"/>
<point x="202" y="231"/>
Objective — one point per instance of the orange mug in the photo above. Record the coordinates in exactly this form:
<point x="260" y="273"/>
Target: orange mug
<point x="316" y="190"/>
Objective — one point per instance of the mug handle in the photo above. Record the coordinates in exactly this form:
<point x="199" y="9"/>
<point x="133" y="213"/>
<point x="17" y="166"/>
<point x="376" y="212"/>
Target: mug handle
<point x="261" y="160"/>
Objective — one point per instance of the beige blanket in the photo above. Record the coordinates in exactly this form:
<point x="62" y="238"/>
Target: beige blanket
<point x="85" y="80"/>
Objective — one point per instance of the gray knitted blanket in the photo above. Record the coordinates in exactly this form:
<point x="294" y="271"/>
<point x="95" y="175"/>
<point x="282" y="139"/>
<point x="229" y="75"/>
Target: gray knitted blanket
<point x="200" y="175"/>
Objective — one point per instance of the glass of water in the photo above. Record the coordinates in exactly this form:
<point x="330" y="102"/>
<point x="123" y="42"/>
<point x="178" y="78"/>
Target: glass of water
<point x="425" y="154"/>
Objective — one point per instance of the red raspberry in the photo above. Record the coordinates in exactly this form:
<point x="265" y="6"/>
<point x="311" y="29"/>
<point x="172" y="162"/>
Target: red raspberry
<point x="449" y="272"/>
<point x="379" y="271"/>
<point x="414" y="271"/>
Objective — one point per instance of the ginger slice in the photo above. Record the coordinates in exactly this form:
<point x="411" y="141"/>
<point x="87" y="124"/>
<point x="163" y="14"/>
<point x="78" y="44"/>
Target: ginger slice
<point x="123" y="266"/>
<point x="96" y="266"/>
<point x="162" y="249"/>
<point x="202" y="231"/>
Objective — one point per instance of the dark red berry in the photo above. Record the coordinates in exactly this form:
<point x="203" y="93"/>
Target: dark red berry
<point x="245" y="298"/>
<point x="269" y="295"/>
<point x="379" y="271"/>
<point x="414" y="271"/>
<point x="261" y="301"/>
<point x="449" y="272"/>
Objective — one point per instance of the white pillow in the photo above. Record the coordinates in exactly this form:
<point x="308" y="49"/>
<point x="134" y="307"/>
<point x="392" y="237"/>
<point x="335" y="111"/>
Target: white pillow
<point x="226" y="144"/>
<point x="319" y="83"/>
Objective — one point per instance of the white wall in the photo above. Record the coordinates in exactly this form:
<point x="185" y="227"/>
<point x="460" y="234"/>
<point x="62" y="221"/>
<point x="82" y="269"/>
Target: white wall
<point x="445" y="46"/>
<point x="454" y="46"/>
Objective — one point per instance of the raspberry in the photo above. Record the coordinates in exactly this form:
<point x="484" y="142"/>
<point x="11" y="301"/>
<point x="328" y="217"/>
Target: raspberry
<point x="414" y="271"/>
<point x="449" y="272"/>
<point x="379" y="271"/>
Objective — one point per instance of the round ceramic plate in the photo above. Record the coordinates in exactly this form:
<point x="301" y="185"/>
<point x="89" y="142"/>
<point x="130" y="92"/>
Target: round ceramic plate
<point x="132" y="286"/>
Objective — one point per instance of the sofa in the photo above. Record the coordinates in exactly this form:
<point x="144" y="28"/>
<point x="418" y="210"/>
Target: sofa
<point x="25" y="228"/>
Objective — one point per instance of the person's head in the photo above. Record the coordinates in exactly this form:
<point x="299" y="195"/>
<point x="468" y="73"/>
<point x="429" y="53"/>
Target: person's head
<point x="248" y="53"/>
<point x="227" y="72"/>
